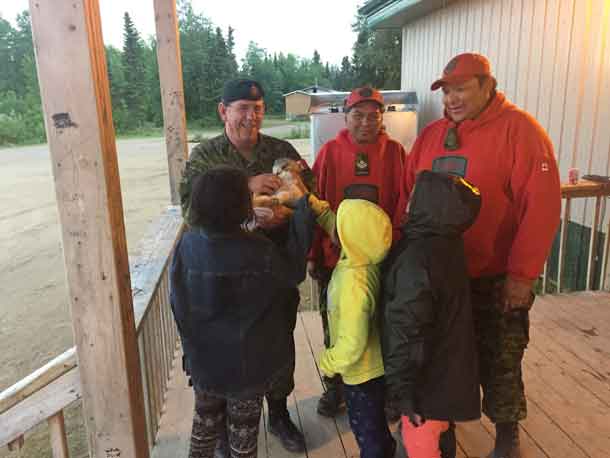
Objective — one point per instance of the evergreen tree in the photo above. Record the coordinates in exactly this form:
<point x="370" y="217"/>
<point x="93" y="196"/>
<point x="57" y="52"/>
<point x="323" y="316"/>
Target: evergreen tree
<point x="134" y="91"/>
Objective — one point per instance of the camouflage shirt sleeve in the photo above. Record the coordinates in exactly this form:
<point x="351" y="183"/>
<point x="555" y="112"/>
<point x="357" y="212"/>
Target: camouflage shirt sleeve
<point x="204" y="156"/>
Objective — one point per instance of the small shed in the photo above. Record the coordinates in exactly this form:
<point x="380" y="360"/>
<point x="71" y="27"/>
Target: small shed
<point x="298" y="102"/>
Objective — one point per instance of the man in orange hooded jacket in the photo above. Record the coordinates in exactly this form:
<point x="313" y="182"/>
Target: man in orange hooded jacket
<point x="361" y="162"/>
<point x="505" y="153"/>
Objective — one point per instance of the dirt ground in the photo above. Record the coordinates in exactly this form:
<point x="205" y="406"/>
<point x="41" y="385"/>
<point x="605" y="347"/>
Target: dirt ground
<point x="35" y="323"/>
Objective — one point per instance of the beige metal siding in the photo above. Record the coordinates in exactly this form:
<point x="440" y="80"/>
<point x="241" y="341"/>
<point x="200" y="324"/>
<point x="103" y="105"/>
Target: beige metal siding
<point x="551" y="57"/>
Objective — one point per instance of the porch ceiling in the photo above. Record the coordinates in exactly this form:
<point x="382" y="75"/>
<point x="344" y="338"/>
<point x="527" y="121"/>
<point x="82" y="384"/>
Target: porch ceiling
<point x="392" y="14"/>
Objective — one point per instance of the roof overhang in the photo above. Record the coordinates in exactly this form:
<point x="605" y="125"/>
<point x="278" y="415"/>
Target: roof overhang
<point x="393" y="14"/>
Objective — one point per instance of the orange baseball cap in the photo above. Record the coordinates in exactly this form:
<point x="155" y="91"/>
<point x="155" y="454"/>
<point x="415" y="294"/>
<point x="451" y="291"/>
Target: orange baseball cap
<point x="363" y="94"/>
<point x="461" y="68"/>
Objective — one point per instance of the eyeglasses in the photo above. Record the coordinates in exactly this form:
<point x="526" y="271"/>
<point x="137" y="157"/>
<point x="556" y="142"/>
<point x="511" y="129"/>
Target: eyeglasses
<point x="369" y="118"/>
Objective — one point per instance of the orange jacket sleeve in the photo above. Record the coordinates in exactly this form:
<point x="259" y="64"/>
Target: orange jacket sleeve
<point x="536" y="194"/>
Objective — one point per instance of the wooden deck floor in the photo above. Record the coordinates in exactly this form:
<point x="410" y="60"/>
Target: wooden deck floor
<point x="566" y="372"/>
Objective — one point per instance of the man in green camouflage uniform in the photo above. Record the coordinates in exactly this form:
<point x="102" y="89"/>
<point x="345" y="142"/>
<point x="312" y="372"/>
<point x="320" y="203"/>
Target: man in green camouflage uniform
<point x="242" y="145"/>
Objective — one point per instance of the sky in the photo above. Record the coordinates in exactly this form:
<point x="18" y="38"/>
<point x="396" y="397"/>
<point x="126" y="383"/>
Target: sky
<point x="298" y="27"/>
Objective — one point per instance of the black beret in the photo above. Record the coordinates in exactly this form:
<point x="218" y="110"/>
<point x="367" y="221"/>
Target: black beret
<point x="241" y="89"/>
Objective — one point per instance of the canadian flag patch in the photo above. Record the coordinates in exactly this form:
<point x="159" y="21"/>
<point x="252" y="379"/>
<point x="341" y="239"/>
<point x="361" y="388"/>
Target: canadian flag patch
<point x="545" y="167"/>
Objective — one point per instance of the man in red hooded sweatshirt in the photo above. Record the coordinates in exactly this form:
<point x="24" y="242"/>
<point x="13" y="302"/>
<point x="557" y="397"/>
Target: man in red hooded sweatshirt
<point x="362" y="162"/>
<point x="505" y="153"/>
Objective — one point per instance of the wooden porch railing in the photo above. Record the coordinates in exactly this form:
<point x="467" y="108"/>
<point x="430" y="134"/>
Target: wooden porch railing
<point x="43" y="395"/>
<point x="583" y="189"/>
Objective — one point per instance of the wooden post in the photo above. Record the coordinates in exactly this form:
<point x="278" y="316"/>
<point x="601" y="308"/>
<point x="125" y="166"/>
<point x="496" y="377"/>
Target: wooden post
<point x="78" y="118"/>
<point x="172" y="91"/>
<point x="57" y="433"/>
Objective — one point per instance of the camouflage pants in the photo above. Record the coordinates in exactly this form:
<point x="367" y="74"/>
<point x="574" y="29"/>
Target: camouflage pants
<point x="283" y="385"/>
<point x="501" y="341"/>
<point x="323" y="281"/>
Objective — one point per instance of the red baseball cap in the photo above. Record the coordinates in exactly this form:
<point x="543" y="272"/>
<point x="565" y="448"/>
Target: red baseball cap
<point x="461" y="68"/>
<point x="363" y="94"/>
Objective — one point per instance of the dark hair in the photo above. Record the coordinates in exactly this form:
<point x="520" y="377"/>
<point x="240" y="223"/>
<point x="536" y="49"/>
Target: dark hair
<point x="483" y="79"/>
<point x="221" y="200"/>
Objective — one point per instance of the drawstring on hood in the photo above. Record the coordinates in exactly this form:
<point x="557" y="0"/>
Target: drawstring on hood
<point x="441" y="204"/>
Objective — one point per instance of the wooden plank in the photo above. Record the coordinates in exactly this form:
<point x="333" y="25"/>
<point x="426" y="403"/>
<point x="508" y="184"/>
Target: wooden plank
<point x="474" y="439"/>
<point x="587" y="336"/>
<point x="41" y="405"/>
<point x="262" y="435"/>
<point x="78" y="119"/>
<point x="174" y="435"/>
<point x="563" y="237"/>
<point x="57" y="433"/>
<point x="154" y="252"/>
<point x="605" y="277"/>
<point x="585" y="188"/>
<point x="147" y="397"/>
<point x="38" y="379"/>
<point x="172" y="92"/>
<point x="321" y="435"/>
<point x="528" y="445"/>
<point x="593" y="243"/>
<point x="590" y="378"/>
<point x="312" y="324"/>
<point x="581" y="416"/>
<point x="149" y="356"/>
<point x="17" y="444"/>
<point x="547" y="434"/>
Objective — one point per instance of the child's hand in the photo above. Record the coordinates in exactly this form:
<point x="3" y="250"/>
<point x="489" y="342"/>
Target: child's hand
<point x="416" y="419"/>
<point x="266" y="183"/>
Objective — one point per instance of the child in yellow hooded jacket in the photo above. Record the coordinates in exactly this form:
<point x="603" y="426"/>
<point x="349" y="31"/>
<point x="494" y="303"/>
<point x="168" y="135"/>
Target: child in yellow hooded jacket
<point x="364" y="232"/>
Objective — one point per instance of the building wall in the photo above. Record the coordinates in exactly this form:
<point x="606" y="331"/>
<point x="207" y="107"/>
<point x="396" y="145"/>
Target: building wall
<point x="550" y="57"/>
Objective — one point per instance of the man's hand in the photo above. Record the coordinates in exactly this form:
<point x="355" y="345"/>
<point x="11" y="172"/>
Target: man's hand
<point x="416" y="419"/>
<point x="266" y="183"/>
<point x="516" y="294"/>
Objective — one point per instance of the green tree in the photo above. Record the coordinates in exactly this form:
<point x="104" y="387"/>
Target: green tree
<point x="134" y="90"/>
<point x="377" y="56"/>
<point x="7" y="64"/>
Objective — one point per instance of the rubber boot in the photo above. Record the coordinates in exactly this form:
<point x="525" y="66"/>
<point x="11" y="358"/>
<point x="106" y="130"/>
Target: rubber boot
<point x="507" y="441"/>
<point x="331" y="401"/>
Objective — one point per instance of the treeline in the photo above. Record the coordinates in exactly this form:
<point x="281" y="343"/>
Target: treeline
<point x="208" y="60"/>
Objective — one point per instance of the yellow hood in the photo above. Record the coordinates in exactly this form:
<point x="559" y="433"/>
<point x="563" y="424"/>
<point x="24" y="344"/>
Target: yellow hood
<point x="365" y="232"/>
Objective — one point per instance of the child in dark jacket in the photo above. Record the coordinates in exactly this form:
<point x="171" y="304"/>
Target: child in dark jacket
<point x="429" y="343"/>
<point x="231" y="293"/>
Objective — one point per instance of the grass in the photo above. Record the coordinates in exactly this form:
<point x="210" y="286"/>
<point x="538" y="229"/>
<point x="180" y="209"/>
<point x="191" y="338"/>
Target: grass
<point x="199" y="130"/>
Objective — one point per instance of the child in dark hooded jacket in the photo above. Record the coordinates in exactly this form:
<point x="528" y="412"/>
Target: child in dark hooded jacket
<point x="428" y="332"/>
<point x="231" y="295"/>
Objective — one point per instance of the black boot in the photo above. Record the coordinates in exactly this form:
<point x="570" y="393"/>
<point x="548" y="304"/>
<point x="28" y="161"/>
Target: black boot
<point x="507" y="441"/>
<point x="281" y="426"/>
<point x="332" y="400"/>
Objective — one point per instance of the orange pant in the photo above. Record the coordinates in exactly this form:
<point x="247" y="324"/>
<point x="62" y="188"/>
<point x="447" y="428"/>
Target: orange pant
<point x="423" y="442"/>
